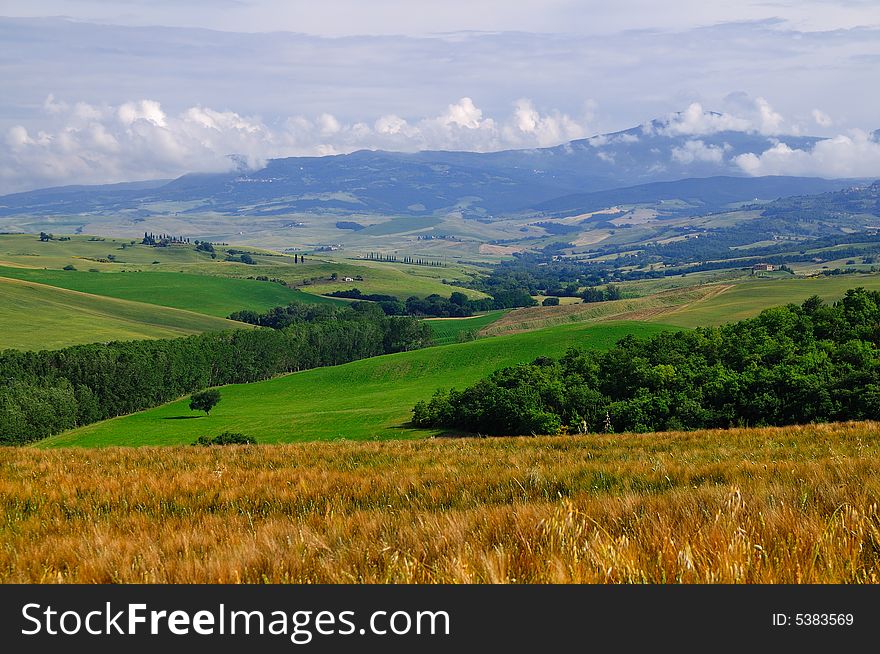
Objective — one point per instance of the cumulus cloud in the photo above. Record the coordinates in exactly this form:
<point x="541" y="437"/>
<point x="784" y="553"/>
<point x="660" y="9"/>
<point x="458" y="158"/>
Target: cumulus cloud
<point x="856" y="154"/>
<point x="697" y="150"/>
<point x="822" y="119"/>
<point x="695" y="121"/>
<point x="89" y="144"/>
<point x="464" y="114"/>
<point x="753" y="116"/>
<point x="528" y="124"/>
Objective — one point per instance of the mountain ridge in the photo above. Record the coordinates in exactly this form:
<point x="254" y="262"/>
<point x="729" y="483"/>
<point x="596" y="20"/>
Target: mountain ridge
<point x="480" y="185"/>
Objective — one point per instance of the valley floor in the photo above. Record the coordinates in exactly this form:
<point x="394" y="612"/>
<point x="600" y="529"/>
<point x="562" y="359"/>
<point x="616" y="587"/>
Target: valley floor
<point x="769" y="505"/>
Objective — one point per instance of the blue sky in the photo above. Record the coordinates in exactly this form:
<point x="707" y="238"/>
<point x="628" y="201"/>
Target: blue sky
<point x="98" y="91"/>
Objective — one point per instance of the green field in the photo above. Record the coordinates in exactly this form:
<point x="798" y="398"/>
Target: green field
<point x="36" y="317"/>
<point x="447" y="330"/>
<point x="748" y="298"/>
<point x="25" y="251"/>
<point x="401" y="280"/>
<point x="211" y="295"/>
<point x="86" y="251"/>
<point x="365" y="399"/>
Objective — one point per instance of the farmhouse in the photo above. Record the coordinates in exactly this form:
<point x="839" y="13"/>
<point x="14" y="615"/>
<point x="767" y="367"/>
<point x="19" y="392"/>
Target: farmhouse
<point x="766" y="267"/>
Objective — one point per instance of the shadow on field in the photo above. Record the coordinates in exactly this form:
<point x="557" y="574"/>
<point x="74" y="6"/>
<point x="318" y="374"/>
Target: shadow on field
<point x="443" y="434"/>
<point x="182" y="417"/>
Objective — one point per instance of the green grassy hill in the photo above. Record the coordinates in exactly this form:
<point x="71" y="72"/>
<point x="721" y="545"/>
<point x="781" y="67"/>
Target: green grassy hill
<point x="447" y="330"/>
<point x="748" y="298"/>
<point x="25" y="251"/>
<point x="401" y="280"/>
<point x="366" y="399"/>
<point x="36" y="316"/>
<point x="211" y="295"/>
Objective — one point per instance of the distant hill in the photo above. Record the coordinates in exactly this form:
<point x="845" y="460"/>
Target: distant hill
<point x="478" y="185"/>
<point x="859" y="201"/>
<point x="699" y="195"/>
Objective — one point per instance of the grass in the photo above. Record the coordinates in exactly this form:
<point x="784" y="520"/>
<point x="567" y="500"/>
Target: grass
<point x="401" y="280"/>
<point x="689" y="306"/>
<point x="748" y="298"/>
<point x="772" y="505"/>
<point x="82" y="252"/>
<point x="367" y="399"/>
<point x="642" y="308"/>
<point x="35" y="317"/>
<point x="213" y="296"/>
<point x="19" y="252"/>
<point x="449" y="330"/>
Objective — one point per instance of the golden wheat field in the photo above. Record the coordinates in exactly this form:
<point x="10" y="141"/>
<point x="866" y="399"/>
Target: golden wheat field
<point x="796" y="504"/>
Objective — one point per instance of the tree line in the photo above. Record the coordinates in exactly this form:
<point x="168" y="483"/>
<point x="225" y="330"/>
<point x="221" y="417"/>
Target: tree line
<point x="46" y="392"/>
<point x="457" y="305"/>
<point x="789" y="365"/>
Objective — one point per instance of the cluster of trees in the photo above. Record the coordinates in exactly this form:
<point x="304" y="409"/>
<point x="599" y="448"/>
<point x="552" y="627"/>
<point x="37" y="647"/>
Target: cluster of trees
<point x="378" y="256"/>
<point x="847" y="271"/>
<point x="457" y="305"/>
<point x="790" y="365"/>
<point x="596" y="294"/>
<point x="42" y="393"/>
<point x="162" y="240"/>
<point x="533" y="274"/>
<point x="244" y="257"/>
<point x="415" y="261"/>
<point x="281" y="317"/>
<point x="418" y="261"/>
<point x="515" y="281"/>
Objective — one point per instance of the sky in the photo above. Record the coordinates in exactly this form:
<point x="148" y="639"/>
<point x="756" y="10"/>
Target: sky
<point x="99" y="91"/>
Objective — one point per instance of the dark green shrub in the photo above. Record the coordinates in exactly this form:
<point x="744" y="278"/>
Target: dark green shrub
<point x="226" y="438"/>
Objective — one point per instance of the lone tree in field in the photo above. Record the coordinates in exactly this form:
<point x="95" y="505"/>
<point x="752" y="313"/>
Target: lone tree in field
<point x="204" y="400"/>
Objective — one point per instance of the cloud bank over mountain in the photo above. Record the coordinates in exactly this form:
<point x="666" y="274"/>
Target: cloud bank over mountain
<point x="85" y="143"/>
<point x="92" y="101"/>
<point x="91" y="144"/>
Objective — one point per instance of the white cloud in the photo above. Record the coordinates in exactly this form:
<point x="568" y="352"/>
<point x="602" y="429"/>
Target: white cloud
<point x="848" y="155"/>
<point x="148" y="110"/>
<point x="771" y="122"/>
<point x="695" y="121"/>
<point x="753" y="116"/>
<point x="551" y="129"/>
<point x="822" y="119"/>
<point x="88" y="144"/>
<point x="328" y="124"/>
<point x="17" y="138"/>
<point x="625" y="138"/>
<point x="698" y="151"/>
<point x="464" y="114"/>
<point x="392" y="124"/>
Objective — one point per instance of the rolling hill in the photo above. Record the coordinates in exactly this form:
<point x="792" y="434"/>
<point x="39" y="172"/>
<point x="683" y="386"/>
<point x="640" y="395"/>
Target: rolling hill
<point x="365" y="399"/>
<point x="696" y="195"/>
<point x="36" y="316"/>
<point x="748" y="298"/>
<point x="480" y="185"/>
<point x="207" y="294"/>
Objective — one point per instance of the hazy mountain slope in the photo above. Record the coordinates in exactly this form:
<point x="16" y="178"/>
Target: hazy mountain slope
<point x="478" y="184"/>
<point x="700" y="194"/>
